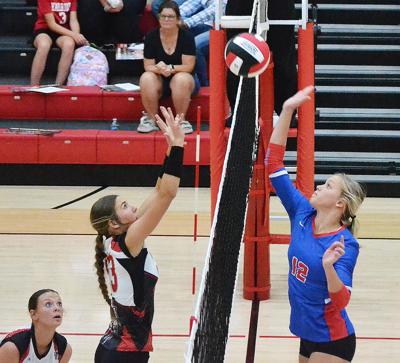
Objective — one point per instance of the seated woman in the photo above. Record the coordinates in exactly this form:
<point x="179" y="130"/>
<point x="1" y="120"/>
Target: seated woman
<point x="111" y="21"/>
<point x="58" y="23"/>
<point x="40" y="342"/>
<point x="169" y="60"/>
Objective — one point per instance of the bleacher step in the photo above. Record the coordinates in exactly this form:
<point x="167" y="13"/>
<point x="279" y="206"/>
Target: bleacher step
<point x="355" y="54"/>
<point x="357" y="75"/>
<point x="387" y="14"/>
<point x="357" y="96"/>
<point x="358" y="118"/>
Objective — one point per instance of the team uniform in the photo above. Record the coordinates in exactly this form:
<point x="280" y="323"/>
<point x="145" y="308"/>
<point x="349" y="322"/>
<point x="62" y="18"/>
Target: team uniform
<point x="132" y="281"/>
<point x="315" y="315"/>
<point x="61" y="10"/>
<point x="24" y="339"/>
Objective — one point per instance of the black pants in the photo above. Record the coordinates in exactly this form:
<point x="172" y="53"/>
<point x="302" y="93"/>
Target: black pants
<point x="103" y="355"/>
<point x="101" y="27"/>
<point x="282" y="44"/>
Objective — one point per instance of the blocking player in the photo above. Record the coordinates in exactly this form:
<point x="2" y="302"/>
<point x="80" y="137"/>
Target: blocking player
<point x="322" y="252"/>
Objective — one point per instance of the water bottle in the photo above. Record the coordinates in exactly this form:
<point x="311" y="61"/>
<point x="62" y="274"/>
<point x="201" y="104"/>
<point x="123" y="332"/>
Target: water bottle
<point x="114" y="124"/>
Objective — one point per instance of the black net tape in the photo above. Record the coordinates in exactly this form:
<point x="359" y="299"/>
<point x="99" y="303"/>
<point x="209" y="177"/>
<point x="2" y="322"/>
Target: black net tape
<point x="216" y="302"/>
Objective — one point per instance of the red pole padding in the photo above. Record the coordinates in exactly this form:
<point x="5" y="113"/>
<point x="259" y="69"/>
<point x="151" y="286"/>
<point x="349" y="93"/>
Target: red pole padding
<point x="256" y="274"/>
<point x="306" y="115"/>
<point x="217" y="111"/>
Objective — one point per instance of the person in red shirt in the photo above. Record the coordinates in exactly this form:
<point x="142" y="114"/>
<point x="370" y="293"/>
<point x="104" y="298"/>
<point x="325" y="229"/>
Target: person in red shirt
<point x="57" y="23"/>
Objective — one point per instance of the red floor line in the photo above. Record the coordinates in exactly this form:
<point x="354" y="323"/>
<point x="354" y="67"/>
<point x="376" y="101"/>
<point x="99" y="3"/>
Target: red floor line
<point x="154" y="335"/>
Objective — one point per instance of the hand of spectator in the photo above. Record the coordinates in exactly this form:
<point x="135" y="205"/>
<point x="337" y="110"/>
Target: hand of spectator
<point x="115" y="8"/>
<point x="166" y="72"/>
<point x="161" y="65"/>
<point x="163" y="69"/>
<point x="80" y="39"/>
<point x="171" y="128"/>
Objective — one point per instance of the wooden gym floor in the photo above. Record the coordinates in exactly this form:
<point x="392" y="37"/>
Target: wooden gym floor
<point x="43" y="247"/>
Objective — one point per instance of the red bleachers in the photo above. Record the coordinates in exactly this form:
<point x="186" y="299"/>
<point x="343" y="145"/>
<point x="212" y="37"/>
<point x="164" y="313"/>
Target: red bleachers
<point x="84" y="103"/>
<point x="91" y="146"/>
<point x="95" y="147"/>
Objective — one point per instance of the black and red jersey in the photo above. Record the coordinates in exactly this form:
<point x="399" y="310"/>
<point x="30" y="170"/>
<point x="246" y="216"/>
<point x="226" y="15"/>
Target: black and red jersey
<point x="132" y="281"/>
<point x="24" y="339"/>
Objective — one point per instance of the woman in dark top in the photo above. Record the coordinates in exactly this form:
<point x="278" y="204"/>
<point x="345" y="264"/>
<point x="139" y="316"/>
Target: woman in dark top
<point x="169" y="60"/>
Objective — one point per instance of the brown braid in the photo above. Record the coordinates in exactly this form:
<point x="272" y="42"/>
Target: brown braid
<point x="99" y="265"/>
<point x="100" y="214"/>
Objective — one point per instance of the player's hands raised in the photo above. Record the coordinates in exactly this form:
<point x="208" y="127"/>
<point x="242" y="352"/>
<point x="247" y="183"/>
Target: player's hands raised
<point x="333" y="253"/>
<point x="299" y="98"/>
<point x="171" y="127"/>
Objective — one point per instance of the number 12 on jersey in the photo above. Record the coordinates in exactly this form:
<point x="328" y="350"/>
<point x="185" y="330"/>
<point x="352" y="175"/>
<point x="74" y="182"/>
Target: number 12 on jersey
<point x="299" y="270"/>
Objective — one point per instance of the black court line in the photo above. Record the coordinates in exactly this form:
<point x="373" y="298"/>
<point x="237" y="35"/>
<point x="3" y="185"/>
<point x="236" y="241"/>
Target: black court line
<point x="80" y="198"/>
<point x="252" y="337"/>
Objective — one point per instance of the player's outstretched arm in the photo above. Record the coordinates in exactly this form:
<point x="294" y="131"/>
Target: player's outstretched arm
<point x="281" y="130"/>
<point x="167" y="186"/>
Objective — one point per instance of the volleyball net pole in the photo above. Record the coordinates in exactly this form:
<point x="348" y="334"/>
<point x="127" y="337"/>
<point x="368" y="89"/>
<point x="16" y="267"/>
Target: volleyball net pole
<point x="258" y="284"/>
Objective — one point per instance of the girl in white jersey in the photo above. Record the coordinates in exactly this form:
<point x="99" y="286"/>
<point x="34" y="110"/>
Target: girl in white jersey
<point x="40" y="343"/>
<point x="125" y="263"/>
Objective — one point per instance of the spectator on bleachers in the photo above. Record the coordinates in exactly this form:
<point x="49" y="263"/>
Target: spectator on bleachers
<point x="198" y="16"/>
<point x="155" y="5"/>
<point x="111" y="21"/>
<point x="169" y="60"/>
<point x="56" y="23"/>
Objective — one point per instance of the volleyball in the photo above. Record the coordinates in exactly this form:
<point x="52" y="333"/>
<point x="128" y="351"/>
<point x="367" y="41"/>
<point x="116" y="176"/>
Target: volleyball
<point x="247" y="55"/>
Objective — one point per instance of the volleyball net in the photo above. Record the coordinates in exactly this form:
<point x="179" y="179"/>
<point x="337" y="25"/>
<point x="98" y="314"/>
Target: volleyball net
<point x="232" y="166"/>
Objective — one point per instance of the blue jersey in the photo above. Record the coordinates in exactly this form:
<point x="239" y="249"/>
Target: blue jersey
<point x="313" y="317"/>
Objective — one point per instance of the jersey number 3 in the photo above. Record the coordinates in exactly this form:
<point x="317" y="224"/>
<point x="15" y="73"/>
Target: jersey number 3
<point x="110" y="265"/>
<point x="299" y="270"/>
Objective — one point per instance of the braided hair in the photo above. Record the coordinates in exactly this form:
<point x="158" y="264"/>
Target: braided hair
<point x="353" y="194"/>
<point x="102" y="211"/>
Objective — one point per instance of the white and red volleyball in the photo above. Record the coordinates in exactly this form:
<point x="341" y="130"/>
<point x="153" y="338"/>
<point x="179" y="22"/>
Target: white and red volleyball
<point x="247" y="55"/>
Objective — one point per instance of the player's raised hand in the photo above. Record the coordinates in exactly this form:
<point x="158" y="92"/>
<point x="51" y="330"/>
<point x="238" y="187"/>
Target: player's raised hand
<point x="333" y="253"/>
<point x="299" y="98"/>
<point x="171" y="127"/>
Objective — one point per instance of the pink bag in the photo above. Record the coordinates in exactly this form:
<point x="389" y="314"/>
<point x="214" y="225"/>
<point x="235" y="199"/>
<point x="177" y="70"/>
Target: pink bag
<point x="90" y="68"/>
